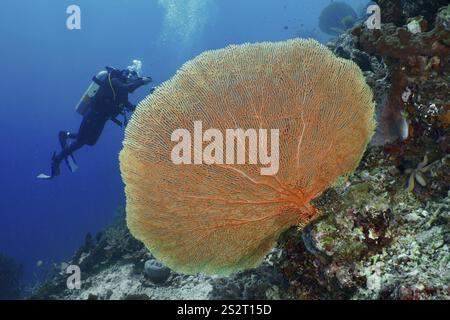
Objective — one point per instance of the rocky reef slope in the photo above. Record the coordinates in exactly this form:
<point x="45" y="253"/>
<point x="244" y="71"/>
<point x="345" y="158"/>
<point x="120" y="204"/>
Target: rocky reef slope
<point x="115" y="266"/>
<point x="374" y="240"/>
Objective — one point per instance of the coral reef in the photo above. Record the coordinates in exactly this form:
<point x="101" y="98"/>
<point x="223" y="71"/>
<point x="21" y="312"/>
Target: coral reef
<point x="407" y="67"/>
<point x="11" y="274"/>
<point x="383" y="233"/>
<point x="266" y="282"/>
<point x="391" y="124"/>
<point x="399" y="11"/>
<point x="119" y="273"/>
<point x="375" y="240"/>
<point x="419" y="69"/>
<point x="219" y="218"/>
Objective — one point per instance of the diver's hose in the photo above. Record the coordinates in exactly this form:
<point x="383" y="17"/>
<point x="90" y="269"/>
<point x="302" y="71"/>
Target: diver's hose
<point x="112" y="88"/>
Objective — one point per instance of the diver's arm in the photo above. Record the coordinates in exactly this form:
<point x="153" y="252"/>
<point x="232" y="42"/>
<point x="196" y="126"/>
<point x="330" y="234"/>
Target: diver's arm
<point x="130" y="107"/>
<point x="131" y="85"/>
<point x="126" y="87"/>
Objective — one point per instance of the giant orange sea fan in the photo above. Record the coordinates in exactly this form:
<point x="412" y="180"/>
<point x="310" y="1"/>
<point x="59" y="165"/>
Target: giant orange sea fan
<point x="219" y="219"/>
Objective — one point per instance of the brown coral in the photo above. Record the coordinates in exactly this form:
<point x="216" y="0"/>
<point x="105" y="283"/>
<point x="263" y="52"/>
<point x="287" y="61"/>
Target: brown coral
<point x="224" y="218"/>
<point x="419" y="68"/>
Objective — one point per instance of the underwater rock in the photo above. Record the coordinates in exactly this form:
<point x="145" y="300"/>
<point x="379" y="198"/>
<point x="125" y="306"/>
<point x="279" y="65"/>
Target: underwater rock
<point x="263" y="283"/>
<point x="156" y="271"/>
<point x="11" y="274"/>
<point x="112" y="245"/>
<point x="418" y="101"/>
<point x="391" y="124"/>
<point x="336" y="18"/>
<point x="346" y="47"/>
<point x="125" y="279"/>
<point x="137" y="297"/>
<point x="416" y="265"/>
<point x="397" y="12"/>
<point x="375" y="240"/>
<point x="398" y="43"/>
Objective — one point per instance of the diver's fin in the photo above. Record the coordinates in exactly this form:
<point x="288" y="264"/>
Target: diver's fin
<point x="71" y="163"/>
<point x="55" y="166"/>
<point x="43" y="176"/>
<point x="62" y="137"/>
<point x="69" y="160"/>
<point x="55" y="170"/>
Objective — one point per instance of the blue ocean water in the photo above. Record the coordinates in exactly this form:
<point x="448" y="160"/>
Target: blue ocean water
<point x="45" y="68"/>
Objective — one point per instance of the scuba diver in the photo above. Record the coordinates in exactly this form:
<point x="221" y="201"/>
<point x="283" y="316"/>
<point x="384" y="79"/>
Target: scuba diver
<point x="105" y="99"/>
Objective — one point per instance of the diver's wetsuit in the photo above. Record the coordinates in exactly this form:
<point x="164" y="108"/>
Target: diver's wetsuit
<point x="107" y="105"/>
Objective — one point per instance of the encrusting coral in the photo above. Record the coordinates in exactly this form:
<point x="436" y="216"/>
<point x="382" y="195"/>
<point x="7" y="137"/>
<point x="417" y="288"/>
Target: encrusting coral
<point x="222" y="218"/>
<point x="419" y="69"/>
<point x="375" y="240"/>
<point x="398" y="12"/>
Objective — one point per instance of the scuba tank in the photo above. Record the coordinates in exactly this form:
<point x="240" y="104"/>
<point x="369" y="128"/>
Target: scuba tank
<point x="99" y="84"/>
<point x="91" y="92"/>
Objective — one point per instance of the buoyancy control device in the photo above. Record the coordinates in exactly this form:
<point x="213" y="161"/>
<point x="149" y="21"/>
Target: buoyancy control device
<point x="97" y="82"/>
<point x="102" y="79"/>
